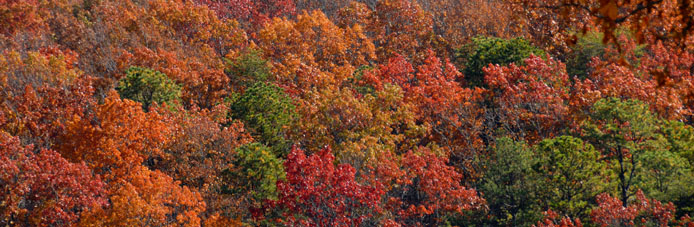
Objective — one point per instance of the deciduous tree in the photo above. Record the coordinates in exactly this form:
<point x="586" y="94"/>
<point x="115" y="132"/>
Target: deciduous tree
<point x="313" y="51"/>
<point x="611" y="211"/>
<point x="40" y="188"/>
<point x="452" y="113"/>
<point x="430" y="191"/>
<point x="650" y="19"/>
<point x="200" y="152"/>
<point x="115" y="140"/>
<point x="551" y="219"/>
<point x="530" y="101"/>
<point x="641" y="74"/>
<point x="40" y="116"/>
<point x="145" y="198"/>
<point x="570" y="173"/>
<point x="117" y="136"/>
<point x="257" y="13"/>
<point x="318" y="193"/>
<point x="622" y="131"/>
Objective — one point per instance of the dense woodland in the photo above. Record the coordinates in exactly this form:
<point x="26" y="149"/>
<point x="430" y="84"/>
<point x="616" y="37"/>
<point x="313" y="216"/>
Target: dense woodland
<point x="346" y="113"/>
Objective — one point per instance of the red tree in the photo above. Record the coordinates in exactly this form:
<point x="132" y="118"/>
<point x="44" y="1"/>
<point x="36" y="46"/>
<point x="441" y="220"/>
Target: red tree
<point x="429" y="190"/>
<point x="43" y="188"/>
<point x="453" y="113"/>
<point x="39" y="116"/>
<point x="662" y="78"/>
<point x="20" y="15"/>
<point x="551" y="219"/>
<point x="531" y="99"/>
<point x="319" y="193"/>
<point x="612" y="212"/>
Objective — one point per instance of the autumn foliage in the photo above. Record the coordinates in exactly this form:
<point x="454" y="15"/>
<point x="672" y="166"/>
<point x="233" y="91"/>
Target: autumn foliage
<point x="317" y="192"/>
<point x="532" y="98"/>
<point x="612" y="212"/>
<point x="346" y="113"/>
<point x="43" y="188"/>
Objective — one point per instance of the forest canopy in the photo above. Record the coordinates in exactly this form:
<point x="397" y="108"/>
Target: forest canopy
<point x="347" y="113"/>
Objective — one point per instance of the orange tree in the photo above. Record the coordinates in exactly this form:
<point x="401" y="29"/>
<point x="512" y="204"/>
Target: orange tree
<point x="114" y="140"/>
